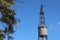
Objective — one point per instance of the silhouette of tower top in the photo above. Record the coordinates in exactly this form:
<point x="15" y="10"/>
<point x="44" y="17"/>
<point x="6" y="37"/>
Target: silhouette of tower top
<point x="42" y="29"/>
<point x="41" y="8"/>
<point x="42" y="19"/>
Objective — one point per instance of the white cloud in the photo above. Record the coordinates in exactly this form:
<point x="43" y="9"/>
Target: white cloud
<point x="51" y="27"/>
<point x="59" y="28"/>
<point x="58" y="23"/>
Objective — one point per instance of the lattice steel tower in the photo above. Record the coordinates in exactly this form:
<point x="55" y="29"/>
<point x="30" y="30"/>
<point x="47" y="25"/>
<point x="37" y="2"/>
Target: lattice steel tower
<point x="42" y="28"/>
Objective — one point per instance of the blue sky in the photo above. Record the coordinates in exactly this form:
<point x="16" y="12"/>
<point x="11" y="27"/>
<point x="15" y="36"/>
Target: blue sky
<point x="29" y="15"/>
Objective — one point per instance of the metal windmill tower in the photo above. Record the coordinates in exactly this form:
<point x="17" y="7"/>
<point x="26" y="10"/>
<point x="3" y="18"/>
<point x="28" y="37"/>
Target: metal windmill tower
<point x="42" y="28"/>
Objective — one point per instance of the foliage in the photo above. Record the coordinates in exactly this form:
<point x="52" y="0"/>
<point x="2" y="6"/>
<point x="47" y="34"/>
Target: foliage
<point x="7" y="15"/>
<point x="7" y="3"/>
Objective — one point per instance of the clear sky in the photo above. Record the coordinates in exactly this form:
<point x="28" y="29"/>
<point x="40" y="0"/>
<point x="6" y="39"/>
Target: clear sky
<point x="29" y="15"/>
